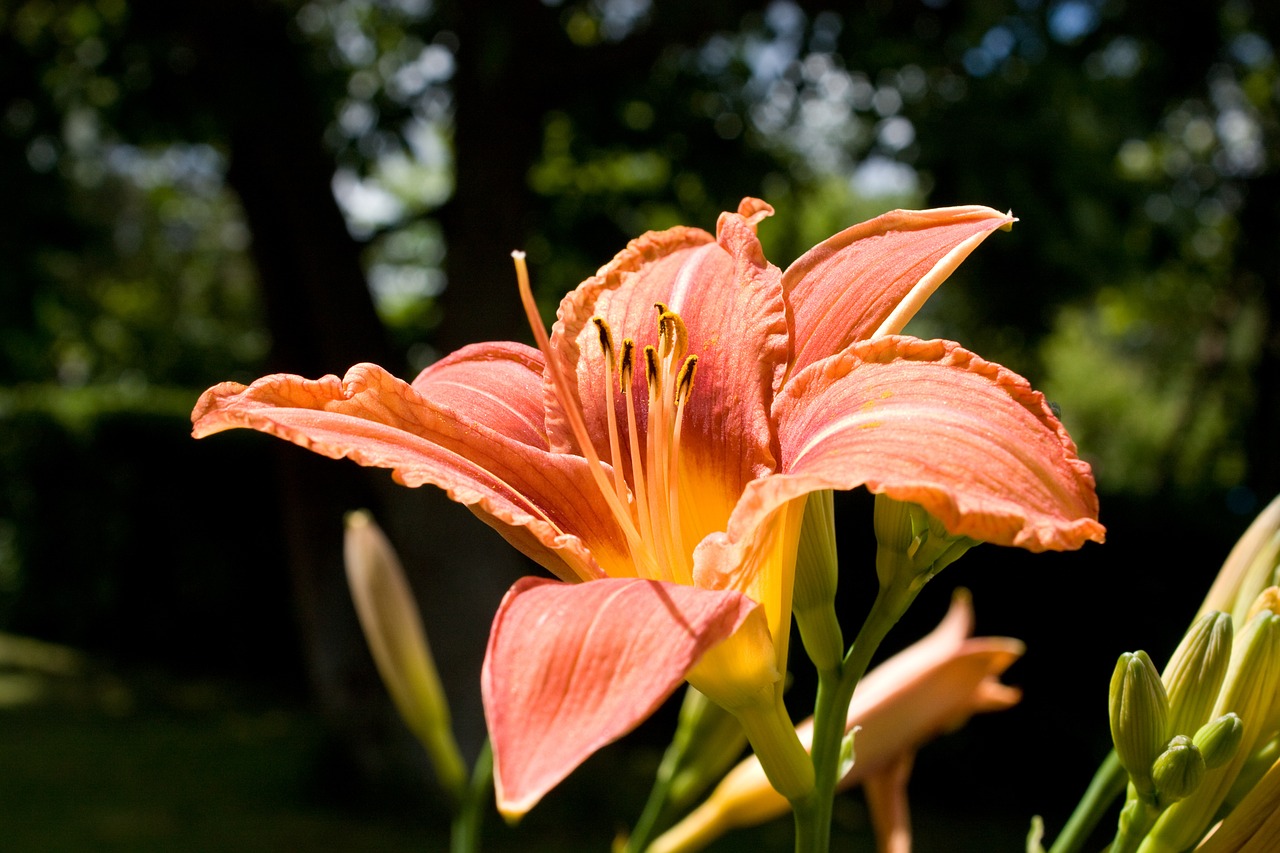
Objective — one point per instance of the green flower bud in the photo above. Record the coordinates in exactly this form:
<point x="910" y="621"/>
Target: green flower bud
<point x="1177" y="771"/>
<point x="1195" y="672"/>
<point x="1219" y="739"/>
<point x="913" y="543"/>
<point x="1139" y="711"/>
<point x="1248" y="691"/>
<point x="814" y="596"/>
<point x="393" y="628"/>
<point x="817" y="567"/>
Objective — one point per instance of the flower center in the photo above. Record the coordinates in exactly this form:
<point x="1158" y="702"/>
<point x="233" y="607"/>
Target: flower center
<point x="648" y="512"/>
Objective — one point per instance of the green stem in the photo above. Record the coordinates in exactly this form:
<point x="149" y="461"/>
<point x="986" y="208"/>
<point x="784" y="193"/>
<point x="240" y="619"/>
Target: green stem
<point x="647" y="826"/>
<point x="835" y="691"/>
<point x="1136" y="819"/>
<point x="469" y="819"/>
<point x="782" y="757"/>
<point x="1108" y="783"/>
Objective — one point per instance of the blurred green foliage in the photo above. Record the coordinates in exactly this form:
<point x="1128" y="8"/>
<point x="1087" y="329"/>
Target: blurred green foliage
<point x="1134" y="146"/>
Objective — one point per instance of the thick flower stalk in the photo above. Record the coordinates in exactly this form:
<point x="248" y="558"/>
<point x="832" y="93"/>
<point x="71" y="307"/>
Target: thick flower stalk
<point x="655" y="452"/>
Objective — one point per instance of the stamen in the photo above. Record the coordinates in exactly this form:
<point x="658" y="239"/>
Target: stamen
<point x="628" y="357"/>
<point x="606" y="344"/>
<point x="651" y="373"/>
<point x="656" y="464"/>
<point x="625" y="375"/>
<point x="684" y="384"/>
<point x="673" y="335"/>
<point x="572" y="413"/>
<point x="684" y="387"/>
<point x="606" y="337"/>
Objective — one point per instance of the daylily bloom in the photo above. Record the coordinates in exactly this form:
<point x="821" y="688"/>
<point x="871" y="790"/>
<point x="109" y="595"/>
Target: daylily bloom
<point x="655" y="452"/>
<point x="930" y="688"/>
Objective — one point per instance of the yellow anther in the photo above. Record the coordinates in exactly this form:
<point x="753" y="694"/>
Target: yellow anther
<point x="606" y="337"/>
<point x="651" y="370"/>
<point x="684" y="379"/>
<point x="673" y="336"/>
<point x="628" y="364"/>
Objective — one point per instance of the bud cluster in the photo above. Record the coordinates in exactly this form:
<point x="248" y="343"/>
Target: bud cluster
<point x="1184" y="738"/>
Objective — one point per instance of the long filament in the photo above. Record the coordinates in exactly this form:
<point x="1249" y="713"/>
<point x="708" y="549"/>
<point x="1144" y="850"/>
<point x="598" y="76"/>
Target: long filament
<point x="579" y="427"/>
<point x="653" y="533"/>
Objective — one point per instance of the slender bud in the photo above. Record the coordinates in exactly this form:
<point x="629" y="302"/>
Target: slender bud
<point x="814" y="597"/>
<point x="398" y="643"/>
<point x="1194" y="673"/>
<point x="1139" y="711"/>
<point x="1219" y="739"/>
<point x="1177" y="771"/>
<point x="1250" y="567"/>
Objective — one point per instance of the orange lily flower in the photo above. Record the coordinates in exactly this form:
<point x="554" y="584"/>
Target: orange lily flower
<point x="655" y="451"/>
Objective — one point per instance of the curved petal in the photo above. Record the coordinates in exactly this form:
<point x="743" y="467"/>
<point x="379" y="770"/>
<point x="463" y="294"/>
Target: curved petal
<point x="870" y="279"/>
<point x="886" y="793"/>
<point x="730" y="299"/>
<point x="498" y="384"/>
<point x="931" y="423"/>
<point x="545" y="503"/>
<point x="571" y="668"/>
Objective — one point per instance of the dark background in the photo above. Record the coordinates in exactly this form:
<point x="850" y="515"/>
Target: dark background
<point x="214" y="190"/>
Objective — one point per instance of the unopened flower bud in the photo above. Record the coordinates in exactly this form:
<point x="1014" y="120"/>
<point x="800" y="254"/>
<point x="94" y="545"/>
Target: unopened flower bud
<point x="1177" y="771"/>
<point x="1251" y="567"/>
<point x="398" y="643"/>
<point x="814" y="595"/>
<point x="1139" y="711"/>
<point x="1219" y="739"/>
<point x="1194" y="673"/>
<point x="913" y="542"/>
<point x="1248" y="690"/>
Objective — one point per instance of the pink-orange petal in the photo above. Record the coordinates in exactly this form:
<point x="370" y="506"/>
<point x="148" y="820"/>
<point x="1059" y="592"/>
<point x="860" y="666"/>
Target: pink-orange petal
<point x="846" y="287"/>
<point x="643" y="270"/>
<point x="545" y="503"/>
<point x="927" y="422"/>
<point x="931" y="423"/>
<point x="571" y="668"/>
<point x="730" y="300"/>
<point x="887" y="805"/>
<point x="498" y="384"/>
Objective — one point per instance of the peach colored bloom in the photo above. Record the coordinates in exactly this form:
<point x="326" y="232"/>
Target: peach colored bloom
<point x="655" y="452"/>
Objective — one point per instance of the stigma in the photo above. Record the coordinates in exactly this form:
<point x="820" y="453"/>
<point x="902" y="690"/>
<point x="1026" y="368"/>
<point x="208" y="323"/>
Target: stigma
<point x="647" y="507"/>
